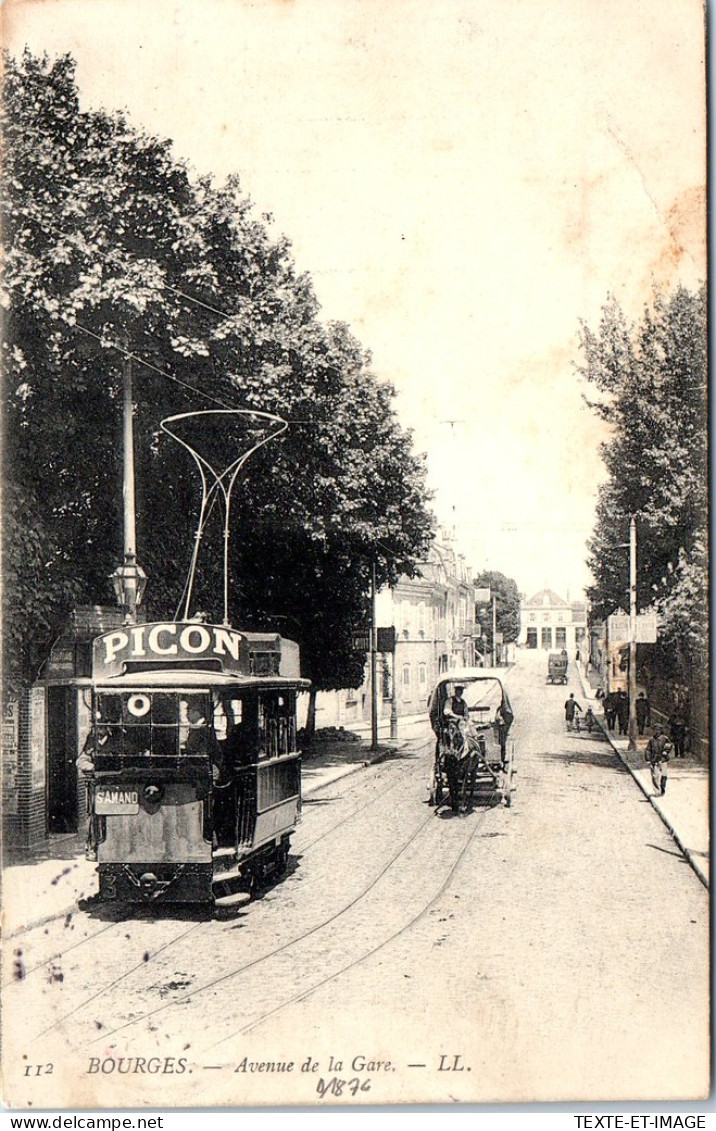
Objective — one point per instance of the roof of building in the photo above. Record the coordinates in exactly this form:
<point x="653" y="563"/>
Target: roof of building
<point x="546" y="598"/>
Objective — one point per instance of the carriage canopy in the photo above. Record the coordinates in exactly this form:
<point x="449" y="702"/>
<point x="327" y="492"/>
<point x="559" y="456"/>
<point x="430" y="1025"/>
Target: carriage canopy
<point x="483" y="692"/>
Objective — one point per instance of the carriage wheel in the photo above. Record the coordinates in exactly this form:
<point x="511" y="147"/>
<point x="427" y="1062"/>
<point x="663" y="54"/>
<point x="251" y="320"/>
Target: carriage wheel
<point x="436" y="788"/>
<point x="508" y="774"/>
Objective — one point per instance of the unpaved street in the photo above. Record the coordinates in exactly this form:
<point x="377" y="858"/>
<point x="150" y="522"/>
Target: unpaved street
<point x="554" y="950"/>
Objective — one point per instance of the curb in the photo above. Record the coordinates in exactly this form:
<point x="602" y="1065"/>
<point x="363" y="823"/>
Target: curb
<point x="690" y="858"/>
<point x="375" y="760"/>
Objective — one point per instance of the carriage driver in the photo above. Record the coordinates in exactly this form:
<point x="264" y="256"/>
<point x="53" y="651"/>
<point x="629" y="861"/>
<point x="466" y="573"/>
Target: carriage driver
<point x="455" y="707"/>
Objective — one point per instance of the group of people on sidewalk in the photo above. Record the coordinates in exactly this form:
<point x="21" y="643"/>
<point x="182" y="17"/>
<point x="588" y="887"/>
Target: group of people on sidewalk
<point x="662" y="745"/>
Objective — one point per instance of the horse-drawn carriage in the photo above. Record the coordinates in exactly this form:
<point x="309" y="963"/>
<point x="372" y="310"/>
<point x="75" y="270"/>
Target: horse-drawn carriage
<point x="471" y="715"/>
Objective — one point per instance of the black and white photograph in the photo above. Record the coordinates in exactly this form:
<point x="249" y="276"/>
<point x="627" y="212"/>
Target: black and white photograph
<point x="355" y="745"/>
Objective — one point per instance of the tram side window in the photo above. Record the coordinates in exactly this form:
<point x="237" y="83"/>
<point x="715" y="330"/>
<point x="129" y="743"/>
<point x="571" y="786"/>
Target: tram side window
<point x="277" y="720"/>
<point x="239" y="723"/>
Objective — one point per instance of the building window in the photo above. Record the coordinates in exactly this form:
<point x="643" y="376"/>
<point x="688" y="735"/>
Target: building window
<point x="560" y="637"/>
<point x="546" y="637"/>
<point x="422" y="676"/>
<point x="406" y="676"/>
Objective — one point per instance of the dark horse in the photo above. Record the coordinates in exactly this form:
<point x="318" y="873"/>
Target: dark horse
<point x="463" y="752"/>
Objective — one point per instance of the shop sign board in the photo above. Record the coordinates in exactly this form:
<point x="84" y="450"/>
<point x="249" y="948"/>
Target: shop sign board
<point x="618" y="628"/>
<point x="646" y="630"/>
<point x="38" y="721"/>
<point x="10" y="732"/>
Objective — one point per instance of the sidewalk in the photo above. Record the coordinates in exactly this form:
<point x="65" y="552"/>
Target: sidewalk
<point x="45" y="882"/>
<point x="684" y="808"/>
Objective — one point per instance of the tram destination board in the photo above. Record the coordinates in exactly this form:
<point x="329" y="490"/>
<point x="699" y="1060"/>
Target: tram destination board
<point x="116" y="802"/>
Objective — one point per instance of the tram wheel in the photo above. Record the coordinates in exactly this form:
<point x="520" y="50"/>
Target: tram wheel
<point x="435" y="794"/>
<point x="281" y="860"/>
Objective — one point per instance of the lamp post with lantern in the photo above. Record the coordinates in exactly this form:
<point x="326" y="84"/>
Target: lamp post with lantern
<point x="129" y="579"/>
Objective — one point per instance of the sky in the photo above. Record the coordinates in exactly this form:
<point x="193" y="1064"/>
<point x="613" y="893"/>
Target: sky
<point x="465" y="181"/>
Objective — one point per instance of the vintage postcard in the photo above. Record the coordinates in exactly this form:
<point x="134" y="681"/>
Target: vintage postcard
<point x="355" y="622"/>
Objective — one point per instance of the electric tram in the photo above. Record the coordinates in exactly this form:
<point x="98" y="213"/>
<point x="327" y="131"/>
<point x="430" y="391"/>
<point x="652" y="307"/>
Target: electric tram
<point x="192" y="769"/>
<point x="195" y="777"/>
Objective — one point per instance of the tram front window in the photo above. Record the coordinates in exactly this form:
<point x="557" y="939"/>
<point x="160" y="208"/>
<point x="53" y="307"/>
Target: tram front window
<point x="154" y="724"/>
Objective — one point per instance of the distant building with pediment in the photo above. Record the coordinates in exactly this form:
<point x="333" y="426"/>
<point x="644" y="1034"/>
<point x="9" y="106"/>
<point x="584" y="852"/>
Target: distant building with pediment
<point x="550" y="622"/>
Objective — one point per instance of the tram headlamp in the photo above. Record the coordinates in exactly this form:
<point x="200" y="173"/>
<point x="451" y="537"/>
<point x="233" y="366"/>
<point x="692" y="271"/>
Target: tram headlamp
<point x="153" y="794"/>
<point x="139" y="705"/>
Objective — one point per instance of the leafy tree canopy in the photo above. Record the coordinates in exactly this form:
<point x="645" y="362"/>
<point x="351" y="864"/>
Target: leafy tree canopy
<point x="507" y="606"/>
<point x="651" y="377"/>
<point x="113" y="249"/>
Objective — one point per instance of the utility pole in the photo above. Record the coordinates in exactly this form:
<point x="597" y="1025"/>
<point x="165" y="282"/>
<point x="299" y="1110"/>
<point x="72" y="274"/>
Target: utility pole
<point x="394" y="692"/>
<point x="632" y="634"/>
<point x="373" y="663"/>
<point x="494" y="628"/>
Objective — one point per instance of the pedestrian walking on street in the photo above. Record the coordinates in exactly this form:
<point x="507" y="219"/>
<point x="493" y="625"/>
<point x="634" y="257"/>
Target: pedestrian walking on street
<point x="643" y="713"/>
<point x="571" y="707"/>
<point x="677" y="726"/>
<point x="657" y="754"/>
<point x="589" y="719"/>
<point x="610" y="709"/>
<point x="623" y="711"/>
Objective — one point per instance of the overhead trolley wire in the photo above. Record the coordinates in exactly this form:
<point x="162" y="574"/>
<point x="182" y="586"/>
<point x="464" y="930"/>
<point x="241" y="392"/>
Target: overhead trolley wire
<point x="141" y="361"/>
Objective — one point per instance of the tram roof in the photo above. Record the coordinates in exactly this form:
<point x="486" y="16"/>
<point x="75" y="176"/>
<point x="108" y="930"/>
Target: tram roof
<point x="164" y="680"/>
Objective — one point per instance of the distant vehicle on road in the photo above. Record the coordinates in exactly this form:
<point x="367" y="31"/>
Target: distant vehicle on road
<point x="557" y="665"/>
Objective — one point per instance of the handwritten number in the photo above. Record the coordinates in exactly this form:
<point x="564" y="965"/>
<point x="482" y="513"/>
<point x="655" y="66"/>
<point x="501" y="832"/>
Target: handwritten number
<point x="335" y="1086"/>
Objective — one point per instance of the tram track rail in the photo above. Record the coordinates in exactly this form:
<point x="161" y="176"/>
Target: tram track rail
<point x="129" y="916"/>
<point x="331" y="920"/>
<point x="354" y="963"/>
<point x="285" y="946"/>
<point x="21" y="932"/>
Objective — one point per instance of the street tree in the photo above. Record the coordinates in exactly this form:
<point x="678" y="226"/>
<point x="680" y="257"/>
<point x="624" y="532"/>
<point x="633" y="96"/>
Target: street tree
<point x="114" y="251"/>
<point x="507" y="607"/>
<point x="651" y="377"/>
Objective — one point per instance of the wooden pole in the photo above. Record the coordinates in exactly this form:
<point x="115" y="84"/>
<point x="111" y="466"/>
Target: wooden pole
<point x="632" y="635"/>
<point x="373" y="663"/>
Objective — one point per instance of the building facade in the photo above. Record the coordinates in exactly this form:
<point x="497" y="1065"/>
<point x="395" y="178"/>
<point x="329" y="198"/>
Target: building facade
<point x="433" y="615"/>
<point x="44" y="729"/>
<point x="550" y="622"/>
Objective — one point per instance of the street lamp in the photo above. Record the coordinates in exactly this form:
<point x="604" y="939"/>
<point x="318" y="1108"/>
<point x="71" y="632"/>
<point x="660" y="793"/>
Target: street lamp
<point x="129" y="582"/>
<point x="129" y="579"/>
